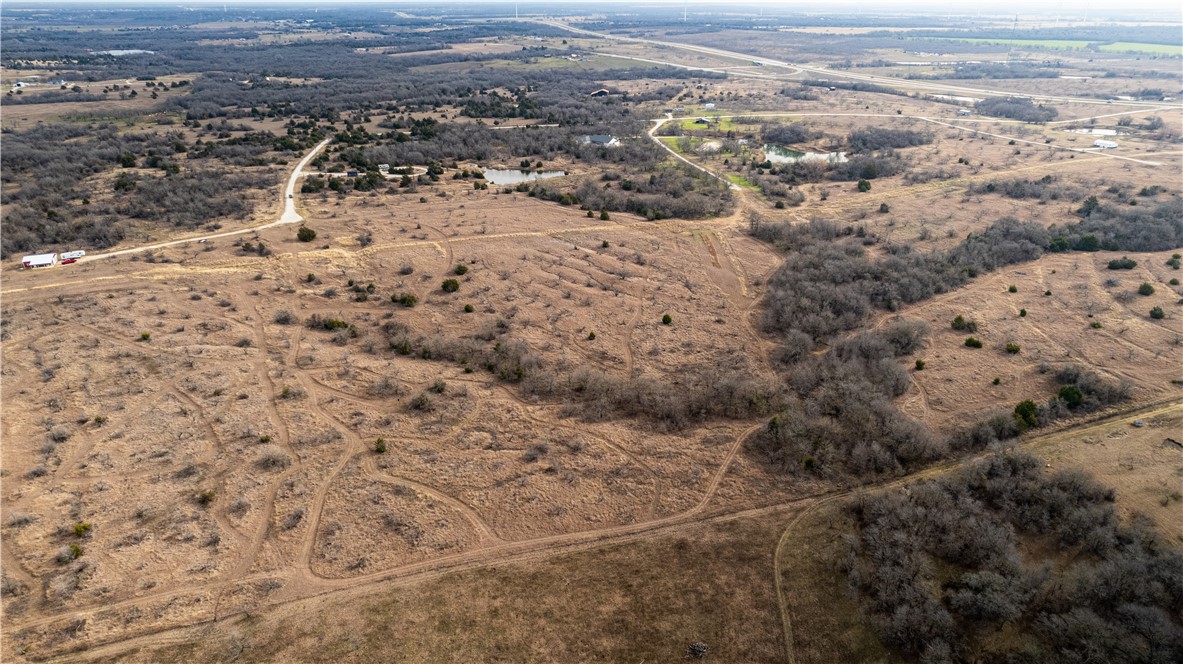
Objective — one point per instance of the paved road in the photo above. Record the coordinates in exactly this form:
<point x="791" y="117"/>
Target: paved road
<point x="942" y="88"/>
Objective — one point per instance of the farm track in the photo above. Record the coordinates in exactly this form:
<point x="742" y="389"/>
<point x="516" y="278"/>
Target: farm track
<point x="534" y="549"/>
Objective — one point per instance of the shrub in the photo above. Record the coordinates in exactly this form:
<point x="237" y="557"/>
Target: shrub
<point x="864" y="185"/>
<point x="406" y="299"/>
<point x="1071" y="395"/>
<point x="667" y="319"/>
<point x="1013" y="349"/>
<point x="1173" y="282"/>
<point x="406" y="270"/>
<point x="996" y="381"/>
<point x="272" y="457"/>
<point x="1022" y="313"/>
<point x="973" y="342"/>
<point x="591" y="336"/>
<point x="883" y="208"/>
<point x="205" y="497"/>
<point x="318" y="322"/>
<point x="1012" y="289"/>
<point x="1123" y="263"/>
<point x="604" y="215"/>
<point x="380" y="446"/>
<point x="920" y="365"/>
<point x="81" y="529"/>
<point x="961" y="324"/>
<point x="460" y="269"/>
<point x="1145" y="289"/>
<point x="1027" y="414"/>
<point x="439" y="386"/>
<point x="69" y="552"/>
<point x="305" y="234"/>
<point x="284" y="317"/>
<point x="450" y="285"/>
<point x="1157" y="313"/>
<point x="1096" y="325"/>
<point x="145" y="336"/>
<point x="1047" y="293"/>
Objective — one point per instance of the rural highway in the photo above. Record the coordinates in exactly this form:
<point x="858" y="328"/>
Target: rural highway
<point x="795" y="69"/>
<point x="289" y="216"/>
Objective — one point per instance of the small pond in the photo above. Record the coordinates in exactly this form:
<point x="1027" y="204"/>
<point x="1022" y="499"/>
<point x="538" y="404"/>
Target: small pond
<point x="779" y="155"/>
<point x="515" y="176"/>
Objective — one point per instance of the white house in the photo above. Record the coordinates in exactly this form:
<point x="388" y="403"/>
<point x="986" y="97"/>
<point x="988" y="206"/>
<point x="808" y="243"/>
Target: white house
<point x="709" y="106"/>
<point x="40" y="260"/>
<point x="964" y="111"/>
<point x="1103" y="144"/>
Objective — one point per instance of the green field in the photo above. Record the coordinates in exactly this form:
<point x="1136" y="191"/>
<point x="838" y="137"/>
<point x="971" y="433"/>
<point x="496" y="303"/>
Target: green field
<point x="1076" y="45"/>
<point x="1058" y="44"/>
<point x="1156" y="49"/>
<point x="740" y="180"/>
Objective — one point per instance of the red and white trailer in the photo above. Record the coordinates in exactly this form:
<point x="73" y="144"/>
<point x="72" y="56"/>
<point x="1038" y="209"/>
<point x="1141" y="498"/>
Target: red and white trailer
<point x="40" y="260"/>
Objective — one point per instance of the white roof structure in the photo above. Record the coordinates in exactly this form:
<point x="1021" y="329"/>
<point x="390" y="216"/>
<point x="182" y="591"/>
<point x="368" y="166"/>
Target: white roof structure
<point x="40" y="260"/>
<point x="1101" y="143"/>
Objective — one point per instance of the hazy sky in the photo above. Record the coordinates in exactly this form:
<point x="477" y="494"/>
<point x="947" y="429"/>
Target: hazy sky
<point x="1169" y="9"/>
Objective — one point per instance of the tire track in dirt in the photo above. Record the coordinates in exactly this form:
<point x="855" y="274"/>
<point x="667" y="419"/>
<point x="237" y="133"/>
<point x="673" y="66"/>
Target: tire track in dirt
<point x="352" y="446"/>
<point x="525" y="550"/>
<point x="485" y="531"/>
<point x="629" y="359"/>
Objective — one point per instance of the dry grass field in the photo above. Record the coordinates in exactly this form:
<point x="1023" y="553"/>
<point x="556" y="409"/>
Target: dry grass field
<point x="323" y="454"/>
<point x="176" y="418"/>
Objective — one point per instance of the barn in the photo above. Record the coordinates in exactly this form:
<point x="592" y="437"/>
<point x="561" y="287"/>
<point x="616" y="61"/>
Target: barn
<point x="40" y="260"/>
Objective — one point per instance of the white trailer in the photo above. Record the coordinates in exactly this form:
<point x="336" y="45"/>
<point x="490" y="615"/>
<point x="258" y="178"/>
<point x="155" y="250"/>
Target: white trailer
<point x="40" y="260"/>
<point x="73" y="255"/>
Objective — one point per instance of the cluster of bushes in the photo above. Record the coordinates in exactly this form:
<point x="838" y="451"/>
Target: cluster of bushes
<point x="678" y="191"/>
<point x="1016" y="108"/>
<point x="786" y="134"/>
<point x="718" y="390"/>
<point x="828" y="284"/>
<point x="878" y="138"/>
<point x="840" y="419"/>
<point x="938" y="569"/>
<point x="1079" y="390"/>
<point x="1043" y="189"/>
<point x="980" y="70"/>
<point x="1113" y="228"/>
<point x="51" y="196"/>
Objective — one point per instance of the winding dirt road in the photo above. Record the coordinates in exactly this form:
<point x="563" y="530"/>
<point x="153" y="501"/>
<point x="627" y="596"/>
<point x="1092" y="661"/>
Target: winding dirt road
<point x="289" y="216"/>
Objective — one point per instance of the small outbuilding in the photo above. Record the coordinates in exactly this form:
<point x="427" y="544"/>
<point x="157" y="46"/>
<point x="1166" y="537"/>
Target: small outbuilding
<point x="709" y="106"/>
<point x="1104" y="144"/>
<point x="40" y="260"/>
<point x="602" y="92"/>
<point x="964" y="111"/>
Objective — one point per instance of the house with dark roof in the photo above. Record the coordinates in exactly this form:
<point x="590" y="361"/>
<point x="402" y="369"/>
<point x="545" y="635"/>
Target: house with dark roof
<point x="603" y="140"/>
